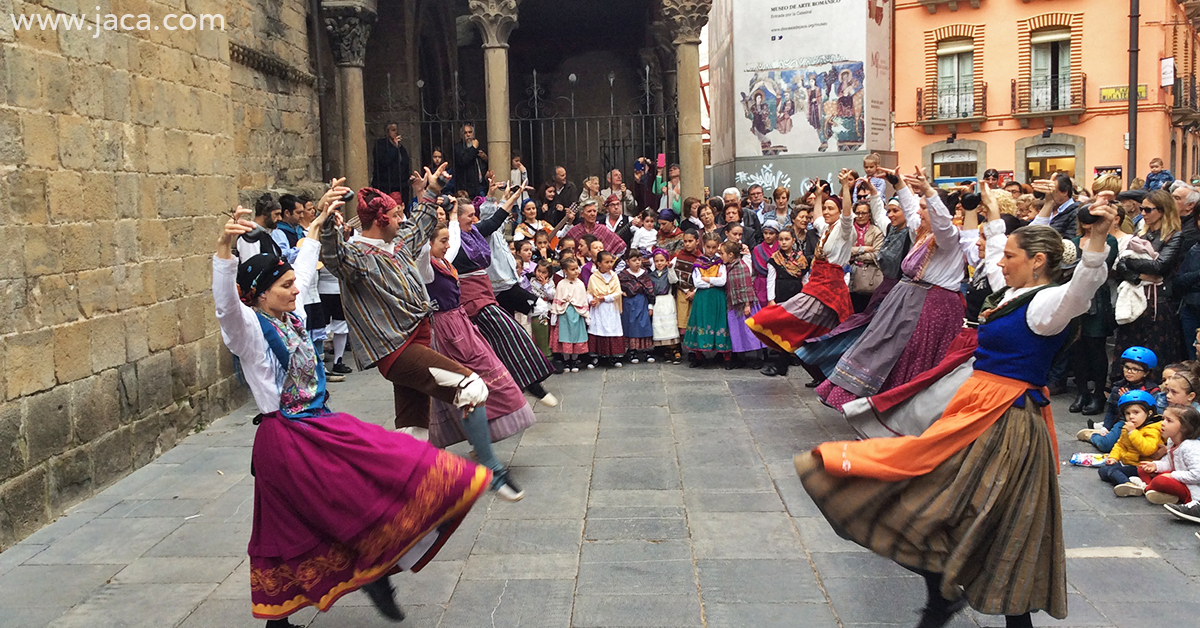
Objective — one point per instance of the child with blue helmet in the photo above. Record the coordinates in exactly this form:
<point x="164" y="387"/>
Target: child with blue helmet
<point x="1137" y="363"/>
<point x="1140" y="437"/>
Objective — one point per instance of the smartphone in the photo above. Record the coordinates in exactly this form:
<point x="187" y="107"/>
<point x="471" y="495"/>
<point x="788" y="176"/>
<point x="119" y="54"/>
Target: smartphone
<point x="662" y="160"/>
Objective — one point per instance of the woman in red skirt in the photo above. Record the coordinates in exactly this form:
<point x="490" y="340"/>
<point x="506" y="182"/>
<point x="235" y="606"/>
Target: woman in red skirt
<point x="825" y="300"/>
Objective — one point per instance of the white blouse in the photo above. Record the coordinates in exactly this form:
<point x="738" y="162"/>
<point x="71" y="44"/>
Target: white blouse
<point x="839" y="243"/>
<point x="241" y="330"/>
<point x="945" y="267"/>
<point x="1052" y="309"/>
<point x="713" y="282"/>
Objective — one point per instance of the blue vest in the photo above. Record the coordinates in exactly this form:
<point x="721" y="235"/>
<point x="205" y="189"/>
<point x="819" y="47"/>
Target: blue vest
<point x="1008" y="348"/>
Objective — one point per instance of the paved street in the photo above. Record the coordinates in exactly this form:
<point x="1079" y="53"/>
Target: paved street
<point x="656" y="496"/>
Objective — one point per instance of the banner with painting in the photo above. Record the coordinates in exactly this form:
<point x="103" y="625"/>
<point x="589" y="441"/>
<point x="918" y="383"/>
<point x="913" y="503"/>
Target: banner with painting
<point x="807" y="79"/>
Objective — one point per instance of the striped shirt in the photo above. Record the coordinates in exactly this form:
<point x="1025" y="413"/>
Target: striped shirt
<point x="382" y="292"/>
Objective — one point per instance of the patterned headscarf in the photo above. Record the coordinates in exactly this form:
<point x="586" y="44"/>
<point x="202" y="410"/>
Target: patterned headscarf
<point x="369" y="212"/>
<point x="257" y="274"/>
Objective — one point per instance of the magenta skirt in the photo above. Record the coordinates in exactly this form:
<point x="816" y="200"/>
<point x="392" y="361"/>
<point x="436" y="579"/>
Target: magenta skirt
<point x="508" y="412"/>
<point x="871" y="366"/>
<point x="339" y="503"/>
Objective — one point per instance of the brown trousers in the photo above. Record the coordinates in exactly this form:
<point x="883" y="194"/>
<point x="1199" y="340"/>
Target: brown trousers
<point x="413" y="384"/>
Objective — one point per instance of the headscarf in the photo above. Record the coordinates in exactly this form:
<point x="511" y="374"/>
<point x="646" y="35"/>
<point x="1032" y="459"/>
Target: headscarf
<point x="666" y="214"/>
<point x="257" y="274"/>
<point x="370" y="211"/>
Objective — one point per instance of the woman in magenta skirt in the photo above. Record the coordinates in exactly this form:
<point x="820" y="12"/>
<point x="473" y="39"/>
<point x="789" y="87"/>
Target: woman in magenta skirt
<point x="339" y="504"/>
<point x="919" y="319"/>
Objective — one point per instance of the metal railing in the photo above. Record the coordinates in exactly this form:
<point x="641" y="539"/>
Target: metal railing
<point x="952" y="102"/>
<point x="550" y="131"/>
<point x="1045" y="94"/>
<point x="1185" y="93"/>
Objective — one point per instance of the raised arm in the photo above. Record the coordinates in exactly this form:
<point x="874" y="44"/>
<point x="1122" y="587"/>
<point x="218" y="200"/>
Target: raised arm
<point x="1053" y="308"/>
<point x="239" y="325"/>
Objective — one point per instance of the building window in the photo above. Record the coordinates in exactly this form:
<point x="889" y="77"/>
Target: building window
<point x="951" y="167"/>
<point x="1050" y="78"/>
<point x="956" y="77"/>
<point x="1047" y="159"/>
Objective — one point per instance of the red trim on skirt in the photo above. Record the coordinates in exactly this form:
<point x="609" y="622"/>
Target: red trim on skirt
<point x="606" y="346"/>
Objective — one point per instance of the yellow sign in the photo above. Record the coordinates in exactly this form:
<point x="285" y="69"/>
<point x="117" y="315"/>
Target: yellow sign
<point x="1120" y="94"/>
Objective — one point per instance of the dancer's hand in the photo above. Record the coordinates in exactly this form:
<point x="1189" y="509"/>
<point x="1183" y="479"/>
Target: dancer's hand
<point x="234" y="227"/>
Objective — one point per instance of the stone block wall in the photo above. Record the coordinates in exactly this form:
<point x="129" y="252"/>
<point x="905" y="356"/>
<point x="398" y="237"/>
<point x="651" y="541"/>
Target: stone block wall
<point x="119" y="155"/>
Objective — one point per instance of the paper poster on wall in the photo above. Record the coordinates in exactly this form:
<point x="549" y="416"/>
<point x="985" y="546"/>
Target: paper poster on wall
<point x="807" y="80"/>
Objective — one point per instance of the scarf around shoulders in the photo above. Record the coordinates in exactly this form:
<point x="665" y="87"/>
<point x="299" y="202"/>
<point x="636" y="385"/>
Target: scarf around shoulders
<point x="793" y="262"/>
<point x="600" y="287"/>
<point x="634" y="285"/>
<point x="571" y="292"/>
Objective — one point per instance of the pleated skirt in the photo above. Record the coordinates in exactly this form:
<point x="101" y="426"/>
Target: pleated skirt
<point x="513" y="346"/>
<point x="988" y="518"/>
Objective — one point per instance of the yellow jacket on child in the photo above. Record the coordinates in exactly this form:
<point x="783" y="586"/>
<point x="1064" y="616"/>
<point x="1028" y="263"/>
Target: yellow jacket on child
<point x="1137" y="445"/>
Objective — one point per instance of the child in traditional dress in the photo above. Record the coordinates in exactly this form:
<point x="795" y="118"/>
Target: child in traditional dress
<point x="681" y="265"/>
<point x="525" y="263"/>
<point x="708" y="322"/>
<point x="606" y="338"/>
<point x="541" y="285"/>
<point x="542" y="249"/>
<point x="665" y="320"/>
<point x="742" y="304"/>
<point x="590" y="247"/>
<point x="645" y="236"/>
<point x="569" y="316"/>
<point x="637" y="308"/>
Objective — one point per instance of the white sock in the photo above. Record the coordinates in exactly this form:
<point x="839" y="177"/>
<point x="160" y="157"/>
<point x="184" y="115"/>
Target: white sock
<point x="339" y="346"/>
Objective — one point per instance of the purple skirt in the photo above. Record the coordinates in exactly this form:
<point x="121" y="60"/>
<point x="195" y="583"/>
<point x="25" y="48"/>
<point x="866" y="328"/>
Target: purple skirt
<point x="740" y="335"/>
<point x="508" y="411"/>
<point x="339" y="503"/>
<point x="910" y="334"/>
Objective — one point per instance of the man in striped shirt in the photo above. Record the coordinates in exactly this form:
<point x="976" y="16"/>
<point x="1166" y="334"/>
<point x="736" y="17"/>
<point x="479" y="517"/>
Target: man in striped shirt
<point x="387" y="307"/>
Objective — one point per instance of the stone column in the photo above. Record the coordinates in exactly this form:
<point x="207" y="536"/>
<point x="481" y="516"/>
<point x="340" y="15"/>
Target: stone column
<point x="688" y="17"/>
<point x="349" y="27"/>
<point x="496" y="19"/>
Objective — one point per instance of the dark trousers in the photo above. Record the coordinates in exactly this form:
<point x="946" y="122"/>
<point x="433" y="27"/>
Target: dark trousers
<point x="412" y="383"/>
<point x="1117" y="473"/>
<point x="516" y="299"/>
<point x="1089" y="359"/>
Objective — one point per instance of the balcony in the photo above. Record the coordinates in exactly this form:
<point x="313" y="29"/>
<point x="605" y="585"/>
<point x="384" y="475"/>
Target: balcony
<point x="1185" y="110"/>
<point x="1049" y="97"/>
<point x="953" y="105"/>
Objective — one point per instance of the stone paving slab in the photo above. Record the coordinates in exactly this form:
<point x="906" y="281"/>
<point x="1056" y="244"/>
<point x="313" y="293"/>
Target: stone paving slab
<point x="657" y="495"/>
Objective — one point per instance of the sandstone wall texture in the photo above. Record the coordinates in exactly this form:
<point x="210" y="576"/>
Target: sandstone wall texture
<point x="119" y="155"/>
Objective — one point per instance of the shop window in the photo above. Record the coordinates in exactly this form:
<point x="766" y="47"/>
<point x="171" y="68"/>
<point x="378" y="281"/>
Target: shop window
<point x="951" y="167"/>
<point x="1047" y="159"/>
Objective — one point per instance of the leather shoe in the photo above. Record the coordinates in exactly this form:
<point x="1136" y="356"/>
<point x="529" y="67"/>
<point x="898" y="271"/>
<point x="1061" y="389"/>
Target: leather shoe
<point x="1095" y="405"/>
<point x="769" y="370"/>
<point x="1080" y="399"/>
<point x="384" y="598"/>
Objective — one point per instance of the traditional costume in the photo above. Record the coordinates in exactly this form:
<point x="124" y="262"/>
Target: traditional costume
<point x="821" y="305"/>
<point x="681" y="265"/>
<point x="665" y="320"/>
<point x="708" y="322"/>
<point x="454" y="336"/>
<point x="606" y="338"/>
<point x="637" y="290"/>
<point x="571" y="308"/>
<point x="915" y="324"/>
<point x="739" y="292"/>
<point x="973" y="501"/>
<point x="338" y="503"/>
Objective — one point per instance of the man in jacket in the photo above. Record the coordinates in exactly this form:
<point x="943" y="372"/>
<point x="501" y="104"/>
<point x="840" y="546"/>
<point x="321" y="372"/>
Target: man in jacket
<point x="470" y="164"/>
<point x="616" y="185"/>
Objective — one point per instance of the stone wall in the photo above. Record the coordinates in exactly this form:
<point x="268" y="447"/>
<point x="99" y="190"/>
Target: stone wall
<point x="118" y="156"/>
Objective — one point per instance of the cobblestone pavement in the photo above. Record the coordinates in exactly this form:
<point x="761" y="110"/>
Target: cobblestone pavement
<point x="656" y="496"/>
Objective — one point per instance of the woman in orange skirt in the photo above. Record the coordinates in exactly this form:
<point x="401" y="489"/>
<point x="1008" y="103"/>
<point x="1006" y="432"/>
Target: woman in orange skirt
<point x="972" y="504"/>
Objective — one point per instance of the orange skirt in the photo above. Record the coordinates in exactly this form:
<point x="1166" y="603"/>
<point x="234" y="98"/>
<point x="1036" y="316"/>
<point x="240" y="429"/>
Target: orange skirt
<point x="977" y="405"/>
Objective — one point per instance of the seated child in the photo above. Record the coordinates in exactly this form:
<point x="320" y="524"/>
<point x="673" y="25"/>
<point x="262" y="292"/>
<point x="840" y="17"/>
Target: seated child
<point x="1140" y="437"/>
<point x="1138" y="363"/>
<point x="1175" y="479"/>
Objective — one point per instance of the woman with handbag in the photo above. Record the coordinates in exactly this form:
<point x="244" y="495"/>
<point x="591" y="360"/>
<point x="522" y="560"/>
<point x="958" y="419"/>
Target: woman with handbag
<point x="865" y="275"/>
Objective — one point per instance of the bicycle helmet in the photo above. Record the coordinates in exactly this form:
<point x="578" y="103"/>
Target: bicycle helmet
<point x="1139" y="397"/>
<point x="1140" y="355"/>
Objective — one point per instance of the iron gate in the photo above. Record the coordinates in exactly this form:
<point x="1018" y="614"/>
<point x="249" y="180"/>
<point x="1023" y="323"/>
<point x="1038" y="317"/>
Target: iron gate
<point x="550" y="132"/>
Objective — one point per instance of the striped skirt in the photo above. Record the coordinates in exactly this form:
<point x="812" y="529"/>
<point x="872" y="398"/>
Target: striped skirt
<point x="513" y="346"/>
<point x="988" y="517"/>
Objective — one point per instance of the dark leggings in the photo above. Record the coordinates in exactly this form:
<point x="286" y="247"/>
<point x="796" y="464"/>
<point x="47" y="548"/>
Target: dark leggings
<point x="1090" y="361"/>
<point x="516" y="299"/>
<point x="536" y="389"/>
<point x="933" y="587"/>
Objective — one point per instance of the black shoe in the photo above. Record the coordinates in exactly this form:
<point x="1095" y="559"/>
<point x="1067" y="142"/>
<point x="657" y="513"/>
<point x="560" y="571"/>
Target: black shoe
<point x="1095" y="405"/>
<point x="769" y="370"/>
<point x="1080" y="399"/>
<point x="280" y="623"/>
<point x="938" y="617"/>
<point x="814" y="383"/>
<point x="695" y="361"/>
<point x="341" y="369"/>
<point x="384" y="598"/>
